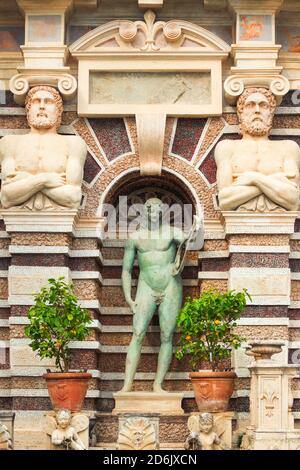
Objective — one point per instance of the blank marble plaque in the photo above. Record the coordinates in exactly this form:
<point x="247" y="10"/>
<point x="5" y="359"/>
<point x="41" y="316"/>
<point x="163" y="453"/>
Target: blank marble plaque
<point x="187" y="88"/>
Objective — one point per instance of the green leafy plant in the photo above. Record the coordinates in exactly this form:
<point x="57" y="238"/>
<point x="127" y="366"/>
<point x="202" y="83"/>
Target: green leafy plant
<point x="56" y="318"/>
<point x="206" y="327"/>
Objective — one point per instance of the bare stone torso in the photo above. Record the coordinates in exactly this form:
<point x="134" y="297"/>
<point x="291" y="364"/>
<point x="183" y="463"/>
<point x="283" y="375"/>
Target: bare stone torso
<point x="47" y="153"/>
<point x="265" y="157"/>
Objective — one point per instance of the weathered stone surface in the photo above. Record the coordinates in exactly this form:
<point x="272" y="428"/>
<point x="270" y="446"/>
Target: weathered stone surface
<point x="3" y="288"/>
<point x="85" y="244"/>
<point x="219" y="284"/>
<point x="40" y="239"/>
<point x="263" y="332"/>
<point x="23" y="356"/>
<point x="4" y="334"/>
<point x="26" y="281"/>
<point x="39" y="260"/>
<point x="295" y="290"/>
<point x="215" y="245"/>
<point x="256" y="240"/>
<point x="86" y="289"/>
<point x="257" y="260"/>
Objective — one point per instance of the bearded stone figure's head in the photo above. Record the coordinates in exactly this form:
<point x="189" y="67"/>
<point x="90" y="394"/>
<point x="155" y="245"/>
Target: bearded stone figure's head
<point x="255" y="109"/>
<point x="44" y="107"/>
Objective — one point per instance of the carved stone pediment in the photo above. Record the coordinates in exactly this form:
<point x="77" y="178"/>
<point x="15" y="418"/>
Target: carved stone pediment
<point x="149" y="36"/>
<point x="182" y="78"/>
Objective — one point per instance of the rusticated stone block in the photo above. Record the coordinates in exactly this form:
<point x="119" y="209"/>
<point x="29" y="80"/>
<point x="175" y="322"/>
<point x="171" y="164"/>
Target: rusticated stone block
<point x="3" y="288"/>
<point x="87" y="289"/>
<point x="106" y="428"/>
<point x="116" y="319"/>
<point x="112" y="253"/>
<point x="173" y="429"/>
<point x="4" y="334"/>
<point x="264" y="240"/>
<point x="295" y="290"/>
<point x="84" y="264"/>
<point x="40" y="239"/>
<point x="4" y="243"/>
<point x="294" y="334"/>
<point x="279" y="332"/>
<point x="17" y="331"/>
<point x="215" y="245"/>
<point x="219" y="284"/>
<point x="216" y="264"/>
<point x="4" y="360"/>
<point x="266" y="311"/>
<point x="6" y="403"/>
<point x="19" y="310"/>
<point x="5" y="383"/>
<point x="4" y="313"/>
<point x="84" y="359"/>
<point x="85" y="244"/>
<point x="259" y="260"/>
<point x="295" y="245"/>
<point x="39" y="260"/>
<point x="294" y="313"/>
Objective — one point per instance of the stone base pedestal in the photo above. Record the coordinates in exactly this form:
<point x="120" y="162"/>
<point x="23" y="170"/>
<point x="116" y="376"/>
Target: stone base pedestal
<point x="57" y="221"/>
<point x="147" y="402"/>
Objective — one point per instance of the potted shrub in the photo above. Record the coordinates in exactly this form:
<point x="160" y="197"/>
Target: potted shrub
<point x="206" y="327"/>
<point x="56" y="318"/>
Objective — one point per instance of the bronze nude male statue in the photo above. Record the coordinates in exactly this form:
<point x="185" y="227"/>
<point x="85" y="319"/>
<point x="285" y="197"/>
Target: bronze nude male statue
<point x="157" y="247"/>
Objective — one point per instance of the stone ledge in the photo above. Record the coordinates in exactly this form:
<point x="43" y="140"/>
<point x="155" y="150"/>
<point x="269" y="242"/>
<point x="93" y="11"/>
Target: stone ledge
<point x="212" y="275"/>
<point x="18" y="220"/>
<point x="148" y="402"/>
<point x="259" y="249"/>
<point x="240" y="222"/>
<point x="214" y="254"/>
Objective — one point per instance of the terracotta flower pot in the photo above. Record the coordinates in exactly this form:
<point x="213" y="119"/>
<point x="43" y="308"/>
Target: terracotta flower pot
<point x="67" y="390"/>
<point x="212" y="389"/>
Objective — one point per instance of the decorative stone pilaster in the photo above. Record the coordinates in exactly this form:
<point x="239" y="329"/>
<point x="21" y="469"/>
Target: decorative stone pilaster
<point x="259" y="261"/>
<point x="255" y="53"/>
<point x="45" y="52"/>
<point x="42" y="245"/>
<point x="271" y="399"/>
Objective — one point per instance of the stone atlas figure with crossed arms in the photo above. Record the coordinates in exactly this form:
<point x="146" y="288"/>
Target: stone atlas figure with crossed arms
<point x="255" y="173"/>
<point x="42" y="170"/>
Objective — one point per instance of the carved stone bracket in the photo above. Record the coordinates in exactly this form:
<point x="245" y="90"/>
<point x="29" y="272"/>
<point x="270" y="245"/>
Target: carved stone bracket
<point x="151" y="133"/>
<point x="20" y="84"/>
<point x="234" y="85"/>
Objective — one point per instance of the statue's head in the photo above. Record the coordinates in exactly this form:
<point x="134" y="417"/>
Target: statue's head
<point x="206" y="422"/>
<point x="63" y="418"/>
<point x="44" y="107"/>
<point x="154" y="207"/>
<point x="255" y="109"/>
